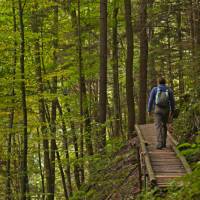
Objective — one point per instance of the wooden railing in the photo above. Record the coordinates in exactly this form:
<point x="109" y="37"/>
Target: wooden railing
<point x="145" y="153"/>
<point x="174" y="144"/>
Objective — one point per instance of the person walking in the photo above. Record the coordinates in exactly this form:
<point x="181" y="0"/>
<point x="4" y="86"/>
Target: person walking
<point x="162" y="104"/>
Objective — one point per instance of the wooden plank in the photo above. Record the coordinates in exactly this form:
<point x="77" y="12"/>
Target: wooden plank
<point x="182" y="158"/>
<point x="164" y="160"/>
<point x="169" y="175"/>
<point x="162" y="153"/>
<point x="146" y="157"/>
<point x="163" y="157"/>
<point x="168" y="169"/>
<point x="162" y="165"/>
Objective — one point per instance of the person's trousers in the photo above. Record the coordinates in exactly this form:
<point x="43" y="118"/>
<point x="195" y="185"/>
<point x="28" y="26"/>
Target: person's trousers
<point x="161" y="128"/>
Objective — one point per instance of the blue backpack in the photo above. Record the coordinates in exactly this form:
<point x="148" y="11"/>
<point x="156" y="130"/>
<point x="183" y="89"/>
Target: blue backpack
<point x="162" y="98"/>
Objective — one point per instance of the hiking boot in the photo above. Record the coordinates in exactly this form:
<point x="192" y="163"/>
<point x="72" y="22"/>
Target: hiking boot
<point x="158" y="146"/>
<point x="164" y="145"/>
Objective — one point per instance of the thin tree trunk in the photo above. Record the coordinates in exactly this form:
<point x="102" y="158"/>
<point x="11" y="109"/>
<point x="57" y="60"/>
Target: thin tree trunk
<point x="62" y="173"/>
<point x="180" y="50"/>
<point x="65" y="141"/>
<point x="24" y="175"/>
<point x="65" y="188"/>
<point x="169" y="56"/>
<point x="101" y="141"/>
<point x="76" y="165"/>
<point x="143" y="61"/>
<point x="116" y="96"/>
<point x="40" y="166"/>
<point x="81" y="88"/>
<point x="41" y="103"/>
<point x="193" y="39"/>
<point x="54" y="101"/>
<point x="76" y="152"/>
<point x="8" y="164"/>
<point x="197" y="40"/>
<point x="192" y="27"/>
<point x="11" y="116"/>
<point x="16" y="172"/>
<point x="129" y="69"/>
<point x="84" y="111"/>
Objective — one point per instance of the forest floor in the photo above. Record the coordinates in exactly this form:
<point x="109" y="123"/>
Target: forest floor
<point x="118" y="179"/>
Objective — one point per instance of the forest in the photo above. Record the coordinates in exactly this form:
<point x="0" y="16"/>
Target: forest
<point x="75" y="78"/>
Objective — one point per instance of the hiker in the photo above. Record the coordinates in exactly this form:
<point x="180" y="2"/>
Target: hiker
<point x="161" y="102"/>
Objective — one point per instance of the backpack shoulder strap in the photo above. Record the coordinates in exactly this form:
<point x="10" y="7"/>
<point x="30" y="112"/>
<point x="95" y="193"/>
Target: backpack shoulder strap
<point x="157" y="94"/>
<point x="167" y="91"/>
<point x="158" y="89"/>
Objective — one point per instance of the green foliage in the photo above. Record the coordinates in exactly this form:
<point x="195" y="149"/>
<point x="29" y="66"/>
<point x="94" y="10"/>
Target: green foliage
<point x="108" y="171"/>
<point x="187" y="127"/>
<point x="188" y="189"/>
<point x="103" y="172"/>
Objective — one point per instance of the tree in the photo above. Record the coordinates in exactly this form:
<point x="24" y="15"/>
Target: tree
<point x="12" y="110"/>
<point x="24" y="173"/>
<point x="84" y="111"/>
<point x="41" y="102"/>
<point x="143" y="61"/>
<point x="180" y="50"/>
<point x="54" y="101"/>
<point x="115" y="66"/>
<point x="129" y="68"/>
<point x="102" y="76"/>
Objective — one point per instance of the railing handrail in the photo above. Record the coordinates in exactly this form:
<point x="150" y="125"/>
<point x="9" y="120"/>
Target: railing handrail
<point x="178" y="153"/>
<point x="150" y="171"/>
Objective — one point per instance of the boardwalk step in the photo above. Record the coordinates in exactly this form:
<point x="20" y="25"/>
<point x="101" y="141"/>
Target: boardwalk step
<point x="162" y="170"/>
<point x="169" y="176"/>
<point x="163" y="165"/>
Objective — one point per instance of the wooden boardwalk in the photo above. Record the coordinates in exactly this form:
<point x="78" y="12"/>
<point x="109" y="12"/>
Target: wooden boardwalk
<point x="161" y="166"/>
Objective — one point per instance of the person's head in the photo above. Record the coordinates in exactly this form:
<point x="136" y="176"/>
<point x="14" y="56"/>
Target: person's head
<point x="161" y="80"/>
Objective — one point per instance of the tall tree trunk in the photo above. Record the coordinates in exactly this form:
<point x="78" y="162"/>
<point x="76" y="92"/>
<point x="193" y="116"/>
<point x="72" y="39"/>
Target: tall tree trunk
<point x="84" y="111"/>
<point x="54" y="101"/>
<point x="24" y="175"/>
<point x="76" y="25"/>
<point x="192" y="27"/>
<point x="101" y="136"/>
<point x="180" y="50"/>
<point x="66" y="195"/>
<point x="152" y="73"/>
<point x="11" y="116"/>
<point x="76" y="151"/>
<point x="197" y="40"/>
<point x="65" y="141"/>
<point x="193" y="39"/>
<point x="143" y="61"/>
<point x="116" y="96"/>
<point x="76" y="165"/>
<point x="65" y="188"/>
<point x="8" y="164"/>
<point x="169" y="56"/>
<point x="40" y="166"/>
<point x="41" y="103"/>
<point x="81" y="88"/>
<point x="129" y="68"/>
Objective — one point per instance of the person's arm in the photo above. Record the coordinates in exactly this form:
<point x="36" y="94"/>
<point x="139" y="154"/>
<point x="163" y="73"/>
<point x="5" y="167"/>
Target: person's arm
<point x="151" y="100"/>
<point x="172" y="101"/>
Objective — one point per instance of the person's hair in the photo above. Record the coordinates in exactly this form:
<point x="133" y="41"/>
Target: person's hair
<point x="161" y="80"/>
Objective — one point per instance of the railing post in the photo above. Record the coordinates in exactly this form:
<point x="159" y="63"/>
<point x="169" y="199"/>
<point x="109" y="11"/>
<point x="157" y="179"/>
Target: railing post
<point x="139" y="167"/>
